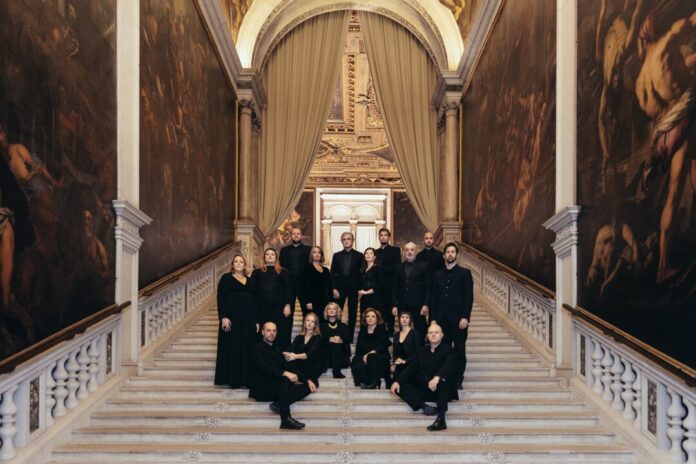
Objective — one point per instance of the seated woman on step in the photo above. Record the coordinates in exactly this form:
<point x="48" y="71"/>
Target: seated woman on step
<point x="407" y="340"/>
<point x="304" y="354"/>
<point x="371" y="361"/>
<point x="336" y="337"/>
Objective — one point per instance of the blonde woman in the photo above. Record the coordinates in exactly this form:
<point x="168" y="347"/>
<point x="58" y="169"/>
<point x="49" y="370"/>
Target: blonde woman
<point x="238" y="326"/>
<point x="304" y="354"/>
<point x="336" y="341"/>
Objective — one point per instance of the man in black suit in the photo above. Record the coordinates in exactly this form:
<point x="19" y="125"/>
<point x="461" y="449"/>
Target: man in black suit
<point x="345" y="271"/>
<point x="412" y="288"/>
<point x="426" y="377"/>
<point x="295" y="258"/>
<point x="274" y="381"/>
<point x="388" y="258"/>
<point x="431" y="255"/>
<point x="452" y="299"/>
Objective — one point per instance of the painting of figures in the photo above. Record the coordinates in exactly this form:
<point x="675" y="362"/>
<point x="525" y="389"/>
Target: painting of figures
<point x="57" y="165"/>
<point x="235" y="10"/>
<point x="508" y="142"/>
<point x="301" y="217"/>
<point x="187" y="140"/>
<point x="407" y="225"/>
<point x="637" y="168"/>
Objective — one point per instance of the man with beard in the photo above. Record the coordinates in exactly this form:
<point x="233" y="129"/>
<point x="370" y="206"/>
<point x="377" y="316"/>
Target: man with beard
<point x="431" y="255"/>
<point x="388" y="257"/>
<point x="411" y="292"/>
<point x="295" y="258"/>
<point x="452" y="299"/>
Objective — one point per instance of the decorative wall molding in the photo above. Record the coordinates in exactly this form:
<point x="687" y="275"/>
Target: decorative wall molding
<point x="477" y="39"/>
<point x="129" y="220"/>
<point x="565" y="225"/>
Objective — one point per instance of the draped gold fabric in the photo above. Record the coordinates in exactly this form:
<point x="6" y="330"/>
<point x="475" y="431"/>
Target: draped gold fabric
<point x="299" y="79"/>
<point x="405" y="77"/>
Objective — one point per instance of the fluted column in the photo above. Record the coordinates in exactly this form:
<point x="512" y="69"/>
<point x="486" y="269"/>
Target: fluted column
<point x="326" y="237"/>
<point x="245" y="158"/>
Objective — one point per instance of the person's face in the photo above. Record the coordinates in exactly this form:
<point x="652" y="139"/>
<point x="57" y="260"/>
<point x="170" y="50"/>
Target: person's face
<point x="371" y="319"/>
<point x="434" y="334"/>
<point x="410" y="251"/>
<point x="369" y="256"/>
<point x="405" y="320"/>
<point x="383" y="237"/>
<point x="316" y="255"/>
<point x="450" y="255"/>
<point x="238" y="264"/>
<point x="270" y="257"/>
<point x="347" y="241"/>
<point x="331" y="312"/>
<point x="269" y="332"/>
<point x="296" y="235"/>
<point x="310" y="323"/>
<point x="428" y="240"/>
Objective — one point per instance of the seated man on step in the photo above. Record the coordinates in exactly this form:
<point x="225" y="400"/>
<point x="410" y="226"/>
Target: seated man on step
<point x="273" y="379"/>
<point x="427" y="377"/>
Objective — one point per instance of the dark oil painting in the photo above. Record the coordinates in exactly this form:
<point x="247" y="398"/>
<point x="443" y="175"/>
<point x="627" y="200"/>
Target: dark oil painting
<point x="637" y="168"/>
<point x="187" y="140"/>
<point x="301" y="217"/>
<point x="406" y="223"/>
<point x="58" y="165"/>
<point x="508" y="183"/>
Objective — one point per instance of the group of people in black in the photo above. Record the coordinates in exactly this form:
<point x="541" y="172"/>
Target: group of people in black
<point x="420" y="307"/>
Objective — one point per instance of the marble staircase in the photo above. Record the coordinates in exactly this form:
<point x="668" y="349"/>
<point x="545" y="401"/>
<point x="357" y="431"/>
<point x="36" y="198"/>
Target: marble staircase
<point x="512" y="410"/>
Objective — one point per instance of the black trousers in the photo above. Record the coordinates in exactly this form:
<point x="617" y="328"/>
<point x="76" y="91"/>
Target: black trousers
<point x="416" y="395"/>
<point x="376" y="369"/>
<point x="419" y="321"/>
<point x="298" y="294"/>
<point x="350" y="294"/>
<point x="336" y="357"/>
<point x="283" y="391"/>
<point x="454" y="335"/>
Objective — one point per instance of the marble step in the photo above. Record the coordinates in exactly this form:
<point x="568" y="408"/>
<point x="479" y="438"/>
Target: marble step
<point x="348" y="453"/>
<point x="186" y="392"/>
<point x="337" y="435"/>
<point x="310" y="404"/>
<point x="471" y="357"/>
<point x="472" y="364"/>
<point x="265" y="418"/>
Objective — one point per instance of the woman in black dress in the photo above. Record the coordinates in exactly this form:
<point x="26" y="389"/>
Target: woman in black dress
<point x="238" y="326"/>
<point x="371" y="361"/>
<point x="336" y="336"/>
<point x="305" y="351"/>
<point x="318" y="283"/>
<point x="273" y="294"/>
<point x="371" y="283"/>
<point x="407" y="340"/>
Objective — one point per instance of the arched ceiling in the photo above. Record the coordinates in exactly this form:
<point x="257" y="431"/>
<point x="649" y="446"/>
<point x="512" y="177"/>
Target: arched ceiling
<point x="267" y="21"/>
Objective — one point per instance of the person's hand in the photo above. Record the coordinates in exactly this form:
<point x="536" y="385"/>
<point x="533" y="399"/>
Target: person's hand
<point x="310" y="306"/>
<point x="463" y="323"/>
<point x="395" y="311"/>
<point x="399" y="361"/>
<point x="395" y="388"/>
<point x="336" y="339"/>
<point x="286" y="310"/>
<point x="425" y="311"/>
<point x="361" y="292"/>
<point x="336" y="295"/>
<point x="291" y="376"/>
<point x="226" y="324"/>
<point x="312" y="386"/>
<point x="289" y="356"/>
<point x="432" y="385"/>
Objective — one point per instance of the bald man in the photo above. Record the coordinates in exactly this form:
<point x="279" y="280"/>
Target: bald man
<point x="295" y="258"/>
<point x="431" y="255"/>
<point x="411" y="289"/>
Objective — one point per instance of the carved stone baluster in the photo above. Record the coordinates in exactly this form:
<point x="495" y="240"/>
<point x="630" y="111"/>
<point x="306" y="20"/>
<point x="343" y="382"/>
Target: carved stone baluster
<point x="83" y="373"/>
<point x="597" y="367"/>
<point x="627" y="380"/>
<point x="616" y="387"/>
<point x="61" y="392"/>
<point x="8" y="424"/>
<point x="93" y="353"/>
<point x="675" y="432"/>
<point x="638" y="400"/>
<point x="607" y="362"/>
<point x="72" y="367"/>
<point x="50" y="400"/>
<point x="690" y="426"/>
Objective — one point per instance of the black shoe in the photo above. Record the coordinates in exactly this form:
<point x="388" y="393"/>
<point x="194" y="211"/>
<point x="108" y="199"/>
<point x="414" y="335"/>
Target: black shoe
<point x="429" y="410"/>
<point x="439" y="424"/>
<point x="338" y="375"/>
<point x="291" y="424"/>
<point x="274" y="407"/>
<point x="460" y="386"/>
<point x="369" y="386"/>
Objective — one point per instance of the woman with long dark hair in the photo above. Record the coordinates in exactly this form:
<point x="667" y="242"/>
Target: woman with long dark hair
<point x="371" y="282"/>
<point x="407" y="340"/>
<point x="238" y="326"/>
<point x="318" y="283"/>
<point x="273" y="294"/>
<point x="371" y="361"/>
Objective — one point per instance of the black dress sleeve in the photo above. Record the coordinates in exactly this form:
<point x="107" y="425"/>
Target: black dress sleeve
<point x="287" y="287"/>
<point x="223" y="291"/>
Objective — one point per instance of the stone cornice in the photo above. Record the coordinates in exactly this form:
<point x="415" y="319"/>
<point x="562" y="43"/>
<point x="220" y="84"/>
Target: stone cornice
<point x="250" y="88"/>
<point x="477" y="39"/>
<point x="129" y="220"/>
<point x="565" y="224"/>
<point x="449" y="90"/>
